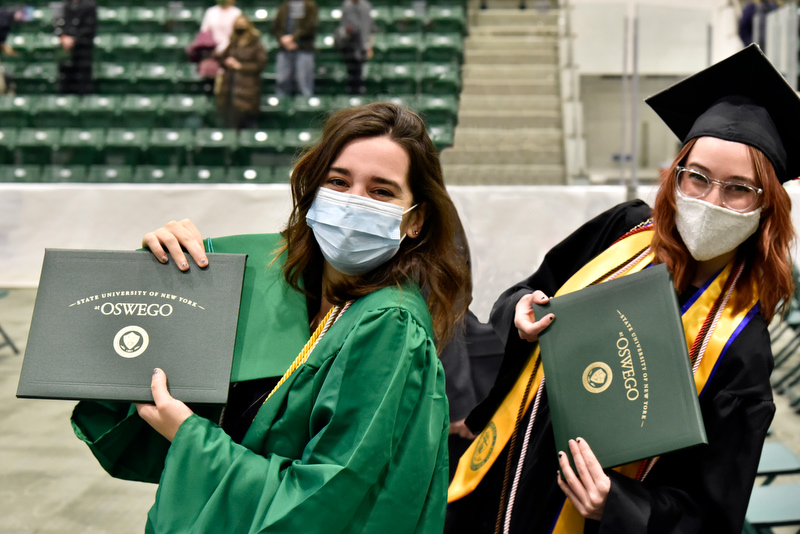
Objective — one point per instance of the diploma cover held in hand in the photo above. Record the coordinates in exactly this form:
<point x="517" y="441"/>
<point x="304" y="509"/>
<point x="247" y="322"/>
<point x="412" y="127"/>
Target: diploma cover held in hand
<point x="617" y="369"/>
<point x="103" y="320"/>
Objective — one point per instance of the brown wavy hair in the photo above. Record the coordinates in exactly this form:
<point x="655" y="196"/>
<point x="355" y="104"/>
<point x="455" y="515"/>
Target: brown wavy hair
<point x="768" y="263"/>
<point x="436" y="259"/>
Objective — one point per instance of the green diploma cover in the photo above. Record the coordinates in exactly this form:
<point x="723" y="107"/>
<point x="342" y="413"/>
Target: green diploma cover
<point x="617" y="369"/>
<point x="103" y="320"/>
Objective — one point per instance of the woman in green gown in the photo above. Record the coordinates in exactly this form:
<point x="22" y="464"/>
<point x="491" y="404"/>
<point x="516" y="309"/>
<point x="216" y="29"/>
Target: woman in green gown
<point x="353" y="438"/>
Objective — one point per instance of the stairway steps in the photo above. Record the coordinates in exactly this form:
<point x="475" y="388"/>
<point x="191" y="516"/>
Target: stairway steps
<point x="489" y="174"/>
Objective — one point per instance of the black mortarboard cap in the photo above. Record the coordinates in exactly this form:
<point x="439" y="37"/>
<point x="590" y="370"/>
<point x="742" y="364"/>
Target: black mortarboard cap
<point x="742" y="98"/>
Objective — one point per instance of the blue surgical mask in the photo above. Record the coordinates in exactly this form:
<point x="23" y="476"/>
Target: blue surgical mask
<point x="355" y="234"/>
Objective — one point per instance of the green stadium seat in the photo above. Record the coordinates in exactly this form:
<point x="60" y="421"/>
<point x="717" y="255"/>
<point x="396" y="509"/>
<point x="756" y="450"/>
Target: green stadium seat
<point x="110" y="174"/>
<point x="156" y="174"/>
<point x="169" y="147"/>
<point x="111" y="19"/>
<point x="98" y="111"/>
<point x="330" y="78"/>
<point x="139" y="111"/>
<point x="56" y="111"/>
<point x="329" y="18"/>
<point x="187" y="81"/>
<point x="125" y="146"/>
<point x="442" y="135"/>
<point x="445" y="19"/>
<point x="79" y="147"/>
<point x="131" y="48"/>
<point x="20" y="173"/>
<point x="146" y="19"/>
<point x="214" y="146"/>
<point x="35" y="145"/>
<point x="439" y="109"/>
<point x="295" y="139"/>
<point x="37" y="78"/>
<point x="185" y="111"/>
<point x="282" y="174"/>
<point x="154" y="78"/>
<point x="382" y="15"/>
<point x="406" y="19"/>
<point x="324" y="50"/>
<point x="443" y="48"/>
<point x="250" y="175"/>
<point x="408" y="101"/>
<point x="170" y="47"/>
<point x="200" y="175"/>
<point x="15" y="110"/>
<point x="441" y="78"/>
<point x="45" y="46"/>
<point x="22" y="45"/>
<point x="310" y="111"/>
<point x="8" y="142"/>
<point x="255" y="146"/>
<point x="261" y="17"/>
<point x="114" y="78"/>
<point x="349" y="101"/>
<point x="373" y="77"/>
<point x="184" y="19"/>
<point x="64" y="174"/>
<point x="104" y="47"/>
<point x="402" y="47"/>
<point x="400" y="78"/>
<point x="275" y="112"/>
<point x="41" y="20"/>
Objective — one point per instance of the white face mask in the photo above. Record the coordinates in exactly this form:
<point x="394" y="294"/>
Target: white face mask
<point x="355" y="234"/>
<point x="710" y="231"/>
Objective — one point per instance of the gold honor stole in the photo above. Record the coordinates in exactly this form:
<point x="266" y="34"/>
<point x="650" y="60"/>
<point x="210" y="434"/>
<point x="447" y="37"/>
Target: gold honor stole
<point x="486" y="448"/>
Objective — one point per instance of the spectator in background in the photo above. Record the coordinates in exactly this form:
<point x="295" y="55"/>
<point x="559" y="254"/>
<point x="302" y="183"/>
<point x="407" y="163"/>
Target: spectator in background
<point x="76" y="26"/>
<point x="295" y="28"/>
<point x="8" y="17"/>
<point x="755" y="13"/>
<point x="239" y="94"/>
<point x="355" y="36"/>
<point x="219" y="20"/>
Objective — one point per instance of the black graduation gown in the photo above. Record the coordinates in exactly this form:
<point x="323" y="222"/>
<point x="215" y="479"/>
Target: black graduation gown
<point x="704" y="489"/>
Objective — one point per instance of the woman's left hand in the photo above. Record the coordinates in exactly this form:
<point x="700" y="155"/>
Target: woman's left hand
<point x="588" y="491"/>
<point x="168" y="413"/>
<point x="232" y="63"/>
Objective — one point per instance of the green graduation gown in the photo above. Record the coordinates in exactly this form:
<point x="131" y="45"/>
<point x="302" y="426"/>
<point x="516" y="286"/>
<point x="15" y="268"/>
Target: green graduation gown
<point x="354" y="441"/>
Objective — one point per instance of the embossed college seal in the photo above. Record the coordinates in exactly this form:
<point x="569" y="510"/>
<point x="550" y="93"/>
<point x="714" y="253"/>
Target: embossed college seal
<point x="597" y="377"/>
<point x="131" y="341"/>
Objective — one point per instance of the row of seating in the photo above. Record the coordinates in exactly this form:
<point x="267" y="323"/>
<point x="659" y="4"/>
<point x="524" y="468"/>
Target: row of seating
<point x="165" y="146"/>
<point x="167" y="78"/>
<point x="143" y="174"/>
<point x="167" y="47"/>
<point x="389" y="18"/>
<point x="181" y="110"/>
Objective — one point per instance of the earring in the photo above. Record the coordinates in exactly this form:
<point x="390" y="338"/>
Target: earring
<point x="415" y="232"/>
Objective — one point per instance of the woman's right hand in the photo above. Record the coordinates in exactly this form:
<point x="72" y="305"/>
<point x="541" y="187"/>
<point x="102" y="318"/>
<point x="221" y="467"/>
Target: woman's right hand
<point x="176" y="236"/>
<point x="527" y="325"/>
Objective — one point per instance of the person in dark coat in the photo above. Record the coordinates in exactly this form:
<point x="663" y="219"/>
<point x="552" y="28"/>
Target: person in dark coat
<point x="721" y="223"/>
<point x="295" y="29"/>
<point x="239" y="93"/>
<point x="76" y="27"/>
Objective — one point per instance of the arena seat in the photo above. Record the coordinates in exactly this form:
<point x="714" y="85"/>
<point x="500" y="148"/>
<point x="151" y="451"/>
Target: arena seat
<point x="214" y="146"/>
<point x="200" y="174"/>
<point x="438" y="109"/>
<point x="400" y="78"/>
<point x="78" y="146"/>
<point x="403" y="47"/>
<point x="156" y="174"/>
<point x="63" y="173"/>
<point x="125" y="146"/>
<point x="440" y="78"/>
<point x="407" y="19"/>
<point x="140" y="111"/>
<point x="20" y="173"/>
<point x="15" y="110"/>
<point x="110" y="174"/>
<point x="446" y="18"/>
<point x="114" y="78"/>
<point x="185" y="111"/>
<point x="98" y="111"/>
<point x="443" y="48"/>
<point x="35" y="145"/>
<point x="8" y="142"/>
<point x="250" y="175"/>
<point x="309" y="111"/>
<point x="55" y="111"/>
<point x="169" y="147"/>
<point x="275" y="111"/>
<point x="146" y="19"/>
<point x="254" y="143"/>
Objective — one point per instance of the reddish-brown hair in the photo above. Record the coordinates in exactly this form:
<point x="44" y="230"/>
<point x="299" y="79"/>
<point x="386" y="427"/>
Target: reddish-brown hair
<point x="435" y="259"/>
<point x="768" y="264"/>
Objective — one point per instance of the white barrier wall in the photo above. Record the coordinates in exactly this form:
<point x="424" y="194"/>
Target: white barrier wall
<point x="509" y="228"/>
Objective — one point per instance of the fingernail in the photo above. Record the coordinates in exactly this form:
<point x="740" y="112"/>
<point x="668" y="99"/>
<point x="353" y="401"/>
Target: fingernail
<point x="560" y="454"/>
<point x="552" y="317"/>
<point x="184" y="265"/>
<point x="203" y="261"/>
<point x="155" y="371"/>
<point x="579" y="440"/>
<point x="163" y="259"/>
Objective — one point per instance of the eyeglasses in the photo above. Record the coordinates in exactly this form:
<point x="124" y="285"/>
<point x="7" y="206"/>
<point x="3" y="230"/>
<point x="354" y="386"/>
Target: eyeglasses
<point x="736" y="196"/>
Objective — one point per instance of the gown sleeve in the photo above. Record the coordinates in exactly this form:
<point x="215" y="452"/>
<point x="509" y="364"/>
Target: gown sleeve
<point x="706" y="489"/>
<point x="378" y="403"/>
